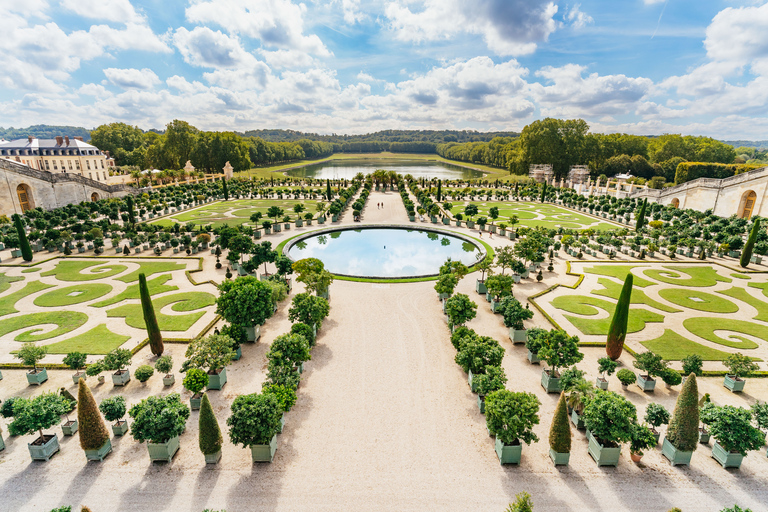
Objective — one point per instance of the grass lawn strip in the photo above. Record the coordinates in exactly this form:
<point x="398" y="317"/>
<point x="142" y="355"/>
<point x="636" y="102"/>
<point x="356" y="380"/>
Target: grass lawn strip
<point x="151" y="267"/>
<point x="619" y="272"/>
<point x="762" y="286"/>
<point x="698" y="277"/>
<point x="31" y="269"/>
<point x="155" y="286"/>
<point x="65" y="321"/>
<point x="5" y="281"/>
<point x="744" y="296"/>
<point x="698" y="300"/>
<point x="238" y="211"/>
<point x="98" y="340"/>
<point x="613" y="290"/>
<point x="705" y="327"/>
<point x="71" y="270"/>
<point x="673" y="347"/>
<point x="188" y="301"/>
<point x="7" y="303"/>
<point x="740" y="276"/>
<point x="69" y="295"/>
<point x="584" y="305"/>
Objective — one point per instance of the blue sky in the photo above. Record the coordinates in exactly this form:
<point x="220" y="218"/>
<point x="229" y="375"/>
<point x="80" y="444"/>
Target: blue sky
<point x="355" y="66"/>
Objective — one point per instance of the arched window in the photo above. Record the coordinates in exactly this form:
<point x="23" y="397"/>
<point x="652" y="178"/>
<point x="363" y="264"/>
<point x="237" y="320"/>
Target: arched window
<point x="747" y="204"/>
<point x="676" y="203"/>
<point x="94" y="197"/>
<point x="25" y="197"/>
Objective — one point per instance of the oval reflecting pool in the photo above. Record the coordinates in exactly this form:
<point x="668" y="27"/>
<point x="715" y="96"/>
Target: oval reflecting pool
<point x="385" y="252"/>
<point x="336" y="169"/>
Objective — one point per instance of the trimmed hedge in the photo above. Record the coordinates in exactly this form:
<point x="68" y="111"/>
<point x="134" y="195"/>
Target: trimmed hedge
<point x="688" y="171"/>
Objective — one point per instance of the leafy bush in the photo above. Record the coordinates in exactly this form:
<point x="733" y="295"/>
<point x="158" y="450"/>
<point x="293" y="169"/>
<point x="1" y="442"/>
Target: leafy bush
<point x="113" y="407"/>
<point x="195" y="380"/>
<point x="279" y="372"/>
<point x="255" y="419"/>
<point x="740" y="365"/>
<point x="118" y="359"/>
<point x="245" y="301"/>
<point x="158" y="419"/>
<point x="559" y="349"/>
<point x="236" y="333"/>
<point x="304" y="330"/>
<point x="459" y="335"/>
<point x="308" y="309"/>
<point x="760" y="413"/>
<point x="32" y="415"/>
<point x="75" y="360"/>
<point x="94" y="369"/>
<point x="460" y="309"/>
<point x="535" y="337"/>
<point x="511" y="416"/>
<point x="656" y="415"/>
<point x="514" y="313"/>
<point x="609" y="417"/>
<point x="286" y="397"/>
<point x="641" y="439"/>
<point x="479" y="352"/>
<point x="144" y="372"/>
<point x="606" y="366"/>
<point x="693" y="363"/>
<point x="732" y="428"/>
<point x="211" y="353"/>
<point x="671" y="377"/>
<point x="492" y="380"/>
<point x="522" y="503"/>
<point x="294" y="348"/>
<point x="164" y="365"/>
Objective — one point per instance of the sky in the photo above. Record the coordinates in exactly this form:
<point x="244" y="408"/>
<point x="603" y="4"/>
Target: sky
<point x="648" y="67"/>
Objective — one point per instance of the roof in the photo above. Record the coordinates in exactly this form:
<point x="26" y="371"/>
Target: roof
<point x="46" y="144"/>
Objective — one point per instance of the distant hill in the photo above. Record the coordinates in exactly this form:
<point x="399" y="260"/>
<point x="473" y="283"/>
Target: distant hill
<point x="757" y="144"/>
<point x="44" y="131"/>
<point x="434" y="136"/>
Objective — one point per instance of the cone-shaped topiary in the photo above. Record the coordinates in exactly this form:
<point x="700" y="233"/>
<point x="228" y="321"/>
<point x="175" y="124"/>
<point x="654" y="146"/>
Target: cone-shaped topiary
<point x="225" y="189"/>
<point x="560" y="431"/>
<point x="641" y="216"/>
<point x="26" y="249"/>
<point x="150" y="320"/>
<point x="746" y="253"/>
<point x="129" y="204"/>
<point x="683" y="430"/>
<point x="618" y="330"/>
<point x="93" y="432"/>
<point x="210" y="433"/>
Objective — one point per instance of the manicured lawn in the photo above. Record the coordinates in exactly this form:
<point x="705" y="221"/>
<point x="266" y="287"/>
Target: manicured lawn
<point x="619" y="272"/>
<point x="5" y="281"/>
<point x="705" y="327"/>
<point x="30" y="270"/>
<point x="583" y="305"/>
<point x="744" y="296"/>
<point x="7" y="302"/>
<point x="238" y="211"/>
<point x="695" y="277"/>
<point x="613" y="290"/>
<point x="151" y="267"/>
<point x="534" y="214"/>
<point x="673" y="347"/>
<point x="155" y="286"/>
<point x="72" y="295"/>
<point x="181" y="302"/>
<point x="98" y="340"/>
<point x="72" y="270"/>
<point x="698" y="300"/>
<point x="65" y="321"/>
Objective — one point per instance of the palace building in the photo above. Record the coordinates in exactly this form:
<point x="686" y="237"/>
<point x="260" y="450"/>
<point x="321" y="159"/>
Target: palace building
<point x="59" y="155"/>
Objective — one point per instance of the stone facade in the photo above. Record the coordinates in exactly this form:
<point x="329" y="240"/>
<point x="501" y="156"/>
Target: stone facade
<point x="541" y="173"/>
<point x="59" y="155"/>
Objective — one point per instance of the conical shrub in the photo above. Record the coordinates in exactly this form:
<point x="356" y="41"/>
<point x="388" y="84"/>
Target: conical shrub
<point x="560" y="430"/>
<point x="618" y="330"/>
<point x="641" y="216"/>
<point x="746" y="254"/>
<point x="683" y="430"/>
<point x="210" y="433"/>
<point x="150" y="320"/>
<point x="93" y="432"/>
<point x="26" y="249"/>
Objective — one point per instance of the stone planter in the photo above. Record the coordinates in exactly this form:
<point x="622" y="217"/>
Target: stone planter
<point x="646" y="384"/>
<point x="213" y="458"/>
<point x="549" y="383"/>
<point x="703" y="436"/>
<point x="446" y="221"/>
<point x="44" y="450"/>
<point x="121" y="377"/>
<point x="458" y="223"/>
<point x="725" y="458"/>
<point x="101" y="453"/>
<point x="603" y="455"/>
<point x="276" y="228"/>
<point x="195" y="401"/>
<point x="757" y="260"/>
<point x="267" y="231"/>
<point x="577" y="420"/>
<point x="735" y="384"/>
<point x="559" y="459"/>
<point x="15" y="253"/>
<point x="163" y="451"/>
<point x="533" y="357"/>
<point x="480" y="287"/>
<point x="69" y="428"/>
<point x="481" y="404"/>
<point x="601" y="383"/>
<point x="120" y="428"/>
<point x="253" y="332"/>
<point x="257" y="234"/>
<point x="264" y="452"/>
<point x="299" y="223"/>
<point x="37" y="377"/>
<point x="169" y="380"/>
<point x="217" y="380"/>
<point x="518" y="336"/>
<point x="509" y="454"/>
<point x="676" y="457"/>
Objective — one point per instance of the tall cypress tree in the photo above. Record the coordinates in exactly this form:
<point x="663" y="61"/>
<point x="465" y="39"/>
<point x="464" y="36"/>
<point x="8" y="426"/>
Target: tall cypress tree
<point x="560" y="430"/>
<point x="543" y="191"/>
<point x="618" y="330"/>
<point x="746" y="254"/>
<point x="210" y="439"/>
<point x="153" y="330"/>
<point x="439" y="190"/>
<point x="517" y="185"/>
<point x="328" y="193"/>
<point x="641" y="215"/>
<point x="93" y="432"/>
<point x="130" y="205"/>
<point x="683" y="430"/>
<point x="224" y="188"/>
<point x="26" y="249"/>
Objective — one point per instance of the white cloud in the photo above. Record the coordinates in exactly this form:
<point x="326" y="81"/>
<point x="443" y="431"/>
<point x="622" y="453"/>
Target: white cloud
<point x="282" y="59"/>
<point x="133" y="37"/>
<point x="276" y="23"/>
<point x="205" y="48"/>
<point x="577" y="18"/>
<point x="351" y="10"/>
<point x="95" y="90"/>
<point x="740" y="35"/>
<point x="112" y="10"/>
<point x="365" y="77"/>
<point x="509" y="27"/>
<point x="651" y="2"/>
<point x="132" y="78"/>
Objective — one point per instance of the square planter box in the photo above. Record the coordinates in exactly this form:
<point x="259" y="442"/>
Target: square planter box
<point x="38" y="377"/>
<point x="648" y="384"/>
<point x="549" y="383"/>
<point x="100" y="453"/>
<point x="601" y="383"/>
<point x="217" y="380"/>
<point x="15" y="253"/>
<point x="276" y="228"/>
<point x="299" y="223"/>
<point x="195" y="401"/>
<point x="169" y="380"/>
<point x="731" y="382"/>
<point x="472" y="385"/>
<point x="282" y="423"/>
<point x="163" y="451"/>
<point x="213" y="458"/>
<point x="726" y="459"/>
<point x="264" y="452"/>
<point x="121" y="377"/>
<point x="120" y="428"/>
<point x="480" y="287"/>
<point x="69" y="428"/>
<point x="443" y="296"/>
<point x="45" y="450"/>
<point x="458" y="223"/>
<point x="446" y="221"/>
<point x="488" y="297"/>
<point x="577" y="420"/>
<point x="518" y="336"/>
<point x="676" y="457"/>
<point x="253" y="333"/>
<point x="257" y="235"/>
<point x="603" y="456"/>
<point x="509" y="454"/>
<point x="560" y="459"/>
<point x="481" y="404"/>
<point x="238" y="354"/>
<point x="703" y="436"/>
<point x="533" y="358"/>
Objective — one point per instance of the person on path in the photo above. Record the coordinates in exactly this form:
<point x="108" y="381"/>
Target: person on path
<point x="480" y="233"/>
<point x="490" y="235"/>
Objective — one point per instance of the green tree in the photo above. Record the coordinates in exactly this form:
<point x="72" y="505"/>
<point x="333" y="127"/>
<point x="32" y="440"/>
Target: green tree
<point x="522" y="503"/>
<point x="554" y="141"/>
<point x="246" y="301"/>
<point x="210" y="439"/>
<point x="746" y="253"/>
<point x="559" y="350"/>
<point x="560" y="430"/>
<point x="224" y="188"/>
<point x="26" y="249"/>
<point x="209" y="354"/>
<point x="157" y="419"/>
<point x="37" y="414"/>
<point x="255" y="419"/>
<point x="460" y="309"/>
<point x="683" y="430"/>
<point x="150" y="320"/>
<point x="124" y="142"/>
<point x="640" y="220"/>
<point x="617" y="332"/>
<point x="180" y="139"/>
<point x="308" y="309"/>
<point x="93" y="433"/>
<point x="510" y="416"/>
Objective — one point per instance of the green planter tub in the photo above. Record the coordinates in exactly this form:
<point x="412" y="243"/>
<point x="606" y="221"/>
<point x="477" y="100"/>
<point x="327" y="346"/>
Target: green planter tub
<point x="495" y="305"/>
<point x="238" y="354"/>
<point x="442" y="296"/>
<point x="120" y="428"/>
<point x="601" y="383"/>
<point x="79" y="375"/>
<point x="725" y="458"/>
<point x="169" y="380"/>
<point x="264" y="452"/>
<point x="195" y="401"/>
<point x="44" y="450"/>
<point x="704" y="436"/>
<point x="69" y="428"/>
<point x="163" y="451"/>
<point x="37" y="377"/>
<point x="488" y="297"/>
<point x="735" y="384"/>
<point x="472" y="382"/>
<point x="121" y="377"/>
<point x="481" y="404"/>
<point x="480" y="287"/>
<point x="217" y="380"/>
<point x="603" y="455"/>
<point x="518" y="336"/>
<point x="509" y="454"/>
<point x="577" y="420"/>
<point x="253" y="332"/>
<point x="213" y="458"/>
<point x="646" y="384"/>
<point x="676" y="457"/>
<point x="560" y="459"/>
<point x="549" y="383"/>
<point x="101" y="453"/>
<point x="533" y="357"/>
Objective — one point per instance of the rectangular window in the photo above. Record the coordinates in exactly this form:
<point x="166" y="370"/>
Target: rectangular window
<point x="105" y="176"/>
<point x="47" y="167"/>
<point x="102" y="164"/>
<point x="70" y="164"/>
<point x="88" y="164"/>
<point x="54" y="166"/>
<point x="62" y="166"/>
<point x="89" y="176"/>
<point x="77" y="165"/>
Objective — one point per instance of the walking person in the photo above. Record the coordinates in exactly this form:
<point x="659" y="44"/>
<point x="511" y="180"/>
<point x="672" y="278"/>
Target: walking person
<point x="480" y="233"/>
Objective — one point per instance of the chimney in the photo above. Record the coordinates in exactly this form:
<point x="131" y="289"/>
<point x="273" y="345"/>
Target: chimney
<point x="78" y="138"/>
<point x="66" y="139"/>
<point x="30" y="138"/>
<point x="59" y="140"/>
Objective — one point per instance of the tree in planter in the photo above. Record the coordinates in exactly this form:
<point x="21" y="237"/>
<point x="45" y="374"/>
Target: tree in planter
<point x="76" y="361"/>
<point x="158" y="419"/>
<point x="308" y="309"/>
<point x="733" y="430"/>
<point x="499" y="286"/>
<point x="479" y="352"/>
<point x="626" y="376"/>
<point x="492" y="380"/>
<point x="683" y="430"/>
<point x="640" y="439"/>
<point x="559" y="350"/>
<point x="656" y="415"/>
<point x="485" y="266"/>
<point x="606" y="366"/>
<point x="94" y="369"/>
<point x="740" y="366"/>
<point x="164" y="365"/>
<point x="514" y="313"/>
<point x="93" y="432"/>
<point x="117" y="360"/>
<point x="760" y="414"/>
<point x="510" y="416"/>
<point x="286" y="396"/>
<point x="150" y="320"/>
<point x="293" y="348"/>
<point x="460" y="309"/>
<point x="263" y="253"/>
<point x="560" y="429"/>
<point x="446" y="283"/>
<point x="617" y="332"/>
<point x="113" y="408"/>
<point x="460" y="335"/>
<point x="749" y="247"/>
<point x="195" y="381"/>
<point x="282" y="373"/>
<point x="304" y="330"/>
<point x="144" y="372"/>
<point x="255" y="419"/>
<point x="30" y="354"/>
<point x="652" y="364"/>
<point x="535" y="337"/>
<point x="246" y="301"/>
<point x="32" y="415"/>
<point x="209" y="354"/>
<point x="26" y="249"/>
<point x="209" y="438"/>
<point x="693" y="364"/>
<point x="610" y="417"/>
